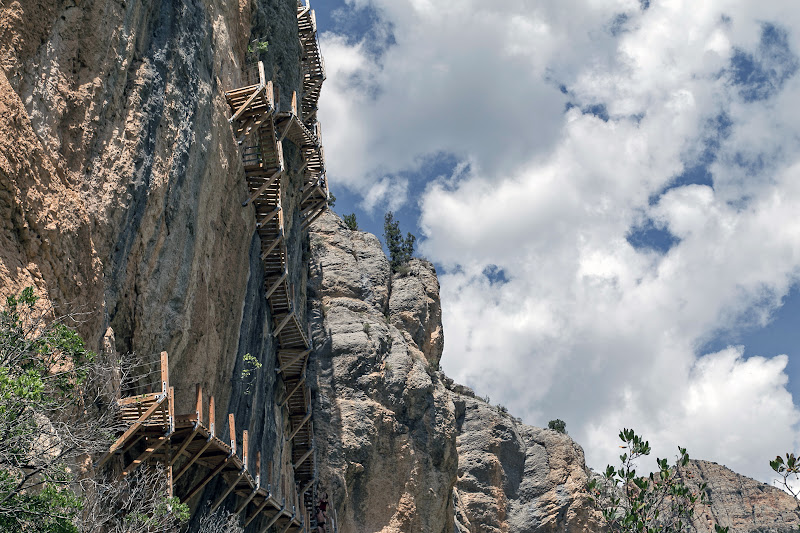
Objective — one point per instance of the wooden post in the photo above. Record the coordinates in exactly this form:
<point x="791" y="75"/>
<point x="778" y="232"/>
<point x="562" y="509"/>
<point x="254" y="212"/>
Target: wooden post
<point x="258" y="469"/>
<point x="294" y="103"/>
<point x="232" y="427"/>
<point x="211" y="417"/>
<point x="164" y="372"/>
<point x="244" y="449"/>
<point x="198" y="405"/>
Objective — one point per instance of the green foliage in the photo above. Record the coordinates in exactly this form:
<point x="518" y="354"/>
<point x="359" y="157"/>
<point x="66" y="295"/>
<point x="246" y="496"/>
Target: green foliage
<point x="558" y="425"/>
<point x="661" y="502"/>
<point x="350" y="222"/>
<point x="43" y="372"/>
<point x="400" y="249"/>
<point x="331" y="200"/>
<point x="366" y="328"/>
<point x="257" y="47"/>
<point x="788" y="470"/>
<point x="251" y="364"/>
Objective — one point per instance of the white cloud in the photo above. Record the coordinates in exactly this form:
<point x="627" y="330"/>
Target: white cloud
<point x="588" y="328"/>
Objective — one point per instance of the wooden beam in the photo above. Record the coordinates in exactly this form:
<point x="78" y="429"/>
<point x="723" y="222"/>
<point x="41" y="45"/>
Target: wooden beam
<point x="244" y="449"/>
<point x="283" y="323"/>
<point x="289" y="524"/>
<point x="272" y="246"/>
<point x="296" y="387"/>
<point x="194" y="457"/>
<point x="277" y="284"/>
<point x="198" y="404"/>
<point x="160" y="441"/>
<point x="264" y="186"/>
<point x="227" y="492"/>
<point x="258" y="510"/>
<point x="185" y="444"/>
<point x="309" y="221"/>
<point x="308" y="485"/>
<point x="292" y="361"/>
<point x="273" y="520"/>
<point x="269" y="216"/>
<point x="300" y="425"/>
<point x="303" y="458"/>
<point x="208" y="478"/>
<point x="244" y="504"/>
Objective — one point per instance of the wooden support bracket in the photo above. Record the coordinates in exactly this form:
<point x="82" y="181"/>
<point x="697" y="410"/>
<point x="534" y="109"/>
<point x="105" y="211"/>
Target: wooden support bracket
<point x="303" y="459"/>
<point x="292" y="361"/>
<point x="211" y="475"/>
<point x="273" y="520"/>
<point x="300" y="425"/>
<point x="277" y="284"/>
<point x="245" y="503"/>
<point x="283" y="323"/>
<point x="295" y="389"/>
<point x="225" y="494"/>
<point x="130" y="431"/>
<point x="263" y="187"/>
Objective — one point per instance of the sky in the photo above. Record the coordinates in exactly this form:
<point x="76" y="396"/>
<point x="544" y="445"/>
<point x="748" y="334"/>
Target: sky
<point x="609" y="190"/>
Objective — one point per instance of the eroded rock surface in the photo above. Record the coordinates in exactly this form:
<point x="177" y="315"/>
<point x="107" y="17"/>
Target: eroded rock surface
<point x="742" y="503"/>
<point x="387" y="451"/>
<point x="516" y="478"/>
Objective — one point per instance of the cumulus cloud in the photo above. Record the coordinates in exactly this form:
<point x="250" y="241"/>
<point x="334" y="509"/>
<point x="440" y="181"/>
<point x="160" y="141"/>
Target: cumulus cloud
<point x="585" y="130"/>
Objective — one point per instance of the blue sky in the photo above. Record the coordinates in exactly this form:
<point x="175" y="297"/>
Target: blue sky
<point x="608" y="192"/>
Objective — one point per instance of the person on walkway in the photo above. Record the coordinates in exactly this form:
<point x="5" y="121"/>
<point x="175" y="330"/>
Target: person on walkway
<point x="322" y="513"/>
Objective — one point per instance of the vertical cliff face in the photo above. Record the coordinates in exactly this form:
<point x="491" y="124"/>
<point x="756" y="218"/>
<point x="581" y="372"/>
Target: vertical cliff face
<point x="386" y="441"/>
<point x="121" y="185"/>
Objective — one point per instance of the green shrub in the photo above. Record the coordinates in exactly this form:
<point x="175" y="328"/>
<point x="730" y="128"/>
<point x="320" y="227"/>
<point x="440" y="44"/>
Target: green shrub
<point x="400" y="249"/>
<point x="557" y="425"/>
<point x="350" y="222"/>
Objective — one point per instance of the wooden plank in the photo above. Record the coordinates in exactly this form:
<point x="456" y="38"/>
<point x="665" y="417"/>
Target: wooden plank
<point x="289" y="524"/>
<point x="232" y="429"/>
<point x="211" y="416"/>
<point x="153" y="396"/>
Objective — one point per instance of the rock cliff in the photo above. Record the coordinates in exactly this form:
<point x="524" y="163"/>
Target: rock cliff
<point x="387" y="444"/>
<point x="120" y="197"/>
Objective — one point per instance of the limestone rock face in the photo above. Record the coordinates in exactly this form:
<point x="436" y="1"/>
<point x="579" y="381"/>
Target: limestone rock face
<point x="743" y="504"/>
<point x="516" y="478"/>
<point x="387" y="451"/>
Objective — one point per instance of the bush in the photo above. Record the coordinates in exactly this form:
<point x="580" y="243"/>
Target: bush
<point x="661" y="502"/>
<point x="350" y="222"/>
<point x="400" y="249"/>
<point x="557" y="425"/>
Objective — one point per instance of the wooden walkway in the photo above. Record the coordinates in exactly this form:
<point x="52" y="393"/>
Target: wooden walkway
<point x="188" y="442"/>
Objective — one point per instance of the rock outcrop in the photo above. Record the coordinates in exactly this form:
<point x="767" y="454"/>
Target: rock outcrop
<point x="387" y="452"/>
<point x="516" y="478"/>
<point x="743" y="504"/>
